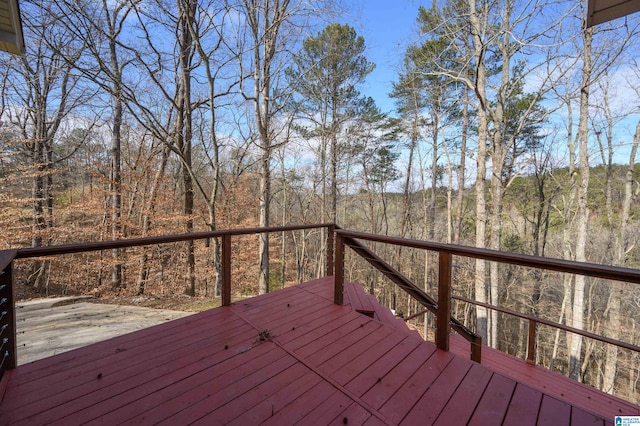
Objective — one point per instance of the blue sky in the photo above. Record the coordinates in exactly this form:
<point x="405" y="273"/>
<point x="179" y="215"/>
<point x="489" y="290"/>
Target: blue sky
<point x="387" y="26"/>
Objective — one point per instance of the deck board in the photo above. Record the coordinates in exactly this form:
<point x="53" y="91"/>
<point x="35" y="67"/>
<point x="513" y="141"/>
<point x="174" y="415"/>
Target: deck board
<point x="364" y="381"/>
<point x="158" y="386"/>
<point x="359" y="300"/>
<point x="313" y="317"/>
<point x="276" y="402"/>
<point x="328" y="410"/>
<point x="307" y="343"/>
<point x="325" y="350"/>
<point x="300" y="407"/>
<point x="236" y="407"/>
<point x="429" y="406"/>
<point x="90" y="354"/>
<point x="319" y="363"/>
<point x="470" y="391"/>
<point x="549" y="382"/>
<point x="125" y="361"/>
<point x="134" y="378"/>
<point x="554" y="412"/>
<point x="524" y="407"/>
<point x="349" y="369"/>
<point x="580" y="417"/>
<point x="354" y="351"/>
<point x="494" y="402"/>
<point x="355" y="414"/>
<point x="403" y="371"/>
<point x="399" y="404"/>
<point x="195" y="403"/>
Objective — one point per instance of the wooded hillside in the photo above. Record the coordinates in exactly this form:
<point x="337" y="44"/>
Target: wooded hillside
<point x="514" y="130"/>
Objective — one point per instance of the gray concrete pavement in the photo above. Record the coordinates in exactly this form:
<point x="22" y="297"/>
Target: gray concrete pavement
<point x="50" y="326"/>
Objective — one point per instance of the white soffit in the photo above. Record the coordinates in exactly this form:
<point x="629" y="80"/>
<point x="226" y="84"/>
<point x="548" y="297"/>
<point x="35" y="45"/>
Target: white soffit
<point x="11" y="39"/>
<point x="600" y="11"/>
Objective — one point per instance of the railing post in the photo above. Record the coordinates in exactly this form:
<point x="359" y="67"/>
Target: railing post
<point x="476" y="349"/>
<point x="531" y="344"/>
<point x="226" y="269"/>
<point x="331" y="229"/>
<point x="339" y="271"/>
<point x="8" y="346"/>
<point x="443" y="317"/>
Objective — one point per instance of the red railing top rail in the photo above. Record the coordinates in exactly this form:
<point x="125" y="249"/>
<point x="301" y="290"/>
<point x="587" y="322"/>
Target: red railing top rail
<point x="6" y="257"/>
<point x="560" y="265"/>
<point x="162" y="239"/>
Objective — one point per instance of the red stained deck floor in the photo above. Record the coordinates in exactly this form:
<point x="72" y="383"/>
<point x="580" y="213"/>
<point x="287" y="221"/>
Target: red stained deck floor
<point x="288" y="357"/>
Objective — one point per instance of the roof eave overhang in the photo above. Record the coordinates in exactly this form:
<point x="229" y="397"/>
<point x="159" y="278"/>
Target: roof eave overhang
<point x="601" y="11"/>
<point x="11" y="37"/>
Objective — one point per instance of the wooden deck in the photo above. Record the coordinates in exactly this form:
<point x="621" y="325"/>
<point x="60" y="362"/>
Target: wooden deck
<point x="287" y="357"/>
<point x="549" y="382"/>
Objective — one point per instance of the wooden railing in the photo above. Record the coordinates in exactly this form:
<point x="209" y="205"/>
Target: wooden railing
<point x="342" y="238"/>
<point x="7" y="312"/>
<point x="444" y="321"/>
<point x="8" y="354"/>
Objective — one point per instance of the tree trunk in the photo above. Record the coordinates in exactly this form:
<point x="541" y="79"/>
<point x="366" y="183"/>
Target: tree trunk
<point x="184" y="129"/>
<point x="115" y="183"/>
<point x="615" y="299"/>
<point x="264" y="19"/>
<point x="461" y="170"/>
<point x="582" y="218"/>
<point x="146" y="218"/>
<point x="481" y="210"/>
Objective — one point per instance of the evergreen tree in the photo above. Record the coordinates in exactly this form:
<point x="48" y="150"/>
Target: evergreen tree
<point x="325" y="75"/>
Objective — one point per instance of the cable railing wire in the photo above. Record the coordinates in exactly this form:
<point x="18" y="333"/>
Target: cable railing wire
<point x="615" y="273"/>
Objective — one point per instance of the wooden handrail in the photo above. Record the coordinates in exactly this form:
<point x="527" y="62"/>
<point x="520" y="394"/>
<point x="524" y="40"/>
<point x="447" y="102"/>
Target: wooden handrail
<point x="8" y="354"/>
<point x="567" y="266"/>
<point x="337" y="238"/>
<point x="147" y="241"/>
<point x="8" y="344"/>
<point x="615" y="273"/>
<point x="444" y="318"/>
<point x="6" y="257"/>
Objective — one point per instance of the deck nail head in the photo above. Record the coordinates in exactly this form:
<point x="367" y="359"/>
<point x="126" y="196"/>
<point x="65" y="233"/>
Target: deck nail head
<point x="99" y="375"/>
<point x="226" y="346"/>
<point x="345" y="421"/>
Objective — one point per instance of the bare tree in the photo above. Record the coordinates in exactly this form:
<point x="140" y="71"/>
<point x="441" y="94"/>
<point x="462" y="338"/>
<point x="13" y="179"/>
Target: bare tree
<point x="269" y="40"/>
<point x="45" y="92"/>
<point x="169" y="116"/>
<point x="618" y="225"/>
<point x="99" y="27"/>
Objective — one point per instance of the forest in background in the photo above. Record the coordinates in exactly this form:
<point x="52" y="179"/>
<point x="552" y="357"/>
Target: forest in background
<point x="516" y="128"/>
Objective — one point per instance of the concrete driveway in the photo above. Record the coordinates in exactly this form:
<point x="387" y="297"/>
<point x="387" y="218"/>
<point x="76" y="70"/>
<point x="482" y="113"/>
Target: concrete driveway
<point x="50" y="326"/>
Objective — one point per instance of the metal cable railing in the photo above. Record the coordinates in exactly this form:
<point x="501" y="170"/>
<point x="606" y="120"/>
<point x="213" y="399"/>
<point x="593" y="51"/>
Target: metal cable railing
<point x="446" y="251"/>
<point x="8" y="351"/>
<point x="339" y="238"/>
